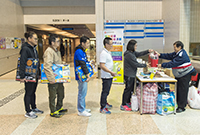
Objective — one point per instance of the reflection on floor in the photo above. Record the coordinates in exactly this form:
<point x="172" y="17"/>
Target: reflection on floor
<point x="119" y="122"/>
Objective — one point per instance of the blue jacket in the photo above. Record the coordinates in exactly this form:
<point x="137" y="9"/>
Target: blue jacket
<point x="180" y="63"/>
<point x="80" y="59"/>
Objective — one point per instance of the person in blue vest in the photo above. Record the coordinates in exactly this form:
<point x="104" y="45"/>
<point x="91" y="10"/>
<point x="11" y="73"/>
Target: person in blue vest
<point x="80" y="59"/>
<point x="182" y="70"/>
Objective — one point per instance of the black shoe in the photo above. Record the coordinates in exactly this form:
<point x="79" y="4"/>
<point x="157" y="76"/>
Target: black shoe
<point x="56" y="114"/>
<point x="179" y="110"/>
<point x="62" y="111"/>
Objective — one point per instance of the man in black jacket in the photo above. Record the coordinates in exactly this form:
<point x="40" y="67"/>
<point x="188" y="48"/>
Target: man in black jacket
<point x="28" y="51"/>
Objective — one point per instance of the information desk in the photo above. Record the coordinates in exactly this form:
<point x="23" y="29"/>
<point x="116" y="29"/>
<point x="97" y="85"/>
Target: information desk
<point x="164" y="78"/>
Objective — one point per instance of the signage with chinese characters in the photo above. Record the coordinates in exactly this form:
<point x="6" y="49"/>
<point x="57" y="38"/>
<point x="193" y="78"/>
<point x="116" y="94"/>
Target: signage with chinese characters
<point x="117" y="53"/>
<point x="60" y="20"/>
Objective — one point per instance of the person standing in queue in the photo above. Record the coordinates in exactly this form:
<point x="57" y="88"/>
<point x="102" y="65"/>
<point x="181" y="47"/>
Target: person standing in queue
<point x="28" y="50"/>
<point x="130" y="70"/>
<point x="53" y="56"/>
<point x="107" y="74"/>
<point x="80" y="59"/>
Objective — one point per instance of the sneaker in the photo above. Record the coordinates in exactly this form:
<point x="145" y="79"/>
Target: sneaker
<point x="84" y="113"/>
<point x="56" y="114"/>
<point x="31" y="115"/>
<point x="180" y="110"/>
<point x="37" y="111"/>
<point x="62" y="111"/>
<point x="125" y="108"/>
<point x="88" y="110"/>
<point x="108" y="106"/>
<point x="105" y="111"/>
<point x="129" y="105"/>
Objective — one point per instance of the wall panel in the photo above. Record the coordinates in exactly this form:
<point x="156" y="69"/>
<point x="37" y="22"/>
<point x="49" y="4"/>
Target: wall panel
<point x="133" y="10"/>
<point x="11" y="25"/>
<point x="195" y="21"/>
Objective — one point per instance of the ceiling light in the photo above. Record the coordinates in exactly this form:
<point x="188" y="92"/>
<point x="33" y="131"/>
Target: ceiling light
<point x="67" y="28"/>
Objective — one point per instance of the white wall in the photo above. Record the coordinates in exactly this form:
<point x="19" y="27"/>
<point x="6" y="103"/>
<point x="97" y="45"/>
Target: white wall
<point x="123" y="10"/>
<point x="176" y="14"/>
<point x="11" y="25"/>
<point x="185" y="23"/>
<point x="133" y="10"/>
<point x="48" y="19"/>
<point x="99" y="8"/>
<point x="195" y="21"/>
<point x="59" y="10"/>
<point x="171" y="15"/>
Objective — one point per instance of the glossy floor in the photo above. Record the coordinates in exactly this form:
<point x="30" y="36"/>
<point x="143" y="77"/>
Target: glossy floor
<point x="12" y="120"/>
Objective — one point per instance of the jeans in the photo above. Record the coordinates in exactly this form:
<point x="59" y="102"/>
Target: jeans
<point x="82" y="91"/>
<point x="106" y="85"/>
<point x="130" y="82"/>
<point x="56" y="90"/>
<point x="29" y="97"/>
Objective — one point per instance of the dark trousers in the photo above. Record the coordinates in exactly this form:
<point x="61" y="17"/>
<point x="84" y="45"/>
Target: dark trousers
<point x="129" y="86"/>
<point x="56" y="89"/>
<point x="182" y="90"/>
<point x="106" y="85"/>
<point x="29" y="97"/>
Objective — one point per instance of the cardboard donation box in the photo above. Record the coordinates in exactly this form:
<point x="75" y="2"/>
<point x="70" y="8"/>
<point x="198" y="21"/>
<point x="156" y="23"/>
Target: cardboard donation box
<point x="82" y="77"/>
<point x="31" y="69"/>
<point x="168" y="71"/>
<point x="61" y="73"/>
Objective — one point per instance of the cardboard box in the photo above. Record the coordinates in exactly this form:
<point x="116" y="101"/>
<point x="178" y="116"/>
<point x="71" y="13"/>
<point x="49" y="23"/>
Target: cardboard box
<point x="172" y="87"/>
<point x="157" y="75"/>
<point x="61" y="73"/>
<point x="30" y="70"/>
<point x="168" y="72"/>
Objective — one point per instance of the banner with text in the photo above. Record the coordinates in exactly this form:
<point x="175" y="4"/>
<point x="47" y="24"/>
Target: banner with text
<point x="117" y="54"/>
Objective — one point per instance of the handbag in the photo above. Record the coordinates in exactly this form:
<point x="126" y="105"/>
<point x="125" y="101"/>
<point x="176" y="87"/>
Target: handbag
<point x="134" y="103"/>
<point x="165" y="103"/>
<point x="150" y="93"/>
<point x="193" y="98"/>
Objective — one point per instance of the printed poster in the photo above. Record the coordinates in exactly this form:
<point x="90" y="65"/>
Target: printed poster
<point x="9" y="43"/>
<point x="17" y="43"/>
<point x="2" y="43"/>
<point x="117" y="54"/>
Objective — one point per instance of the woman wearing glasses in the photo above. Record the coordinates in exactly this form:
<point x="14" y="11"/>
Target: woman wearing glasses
<point x="28" y="50"/>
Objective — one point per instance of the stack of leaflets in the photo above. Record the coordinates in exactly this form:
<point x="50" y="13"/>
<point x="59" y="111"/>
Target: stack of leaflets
<point x="61" y="73"/>
<point x="30" y="70"/>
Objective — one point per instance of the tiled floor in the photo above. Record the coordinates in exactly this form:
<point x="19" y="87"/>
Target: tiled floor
<point x="12" y="120"/>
